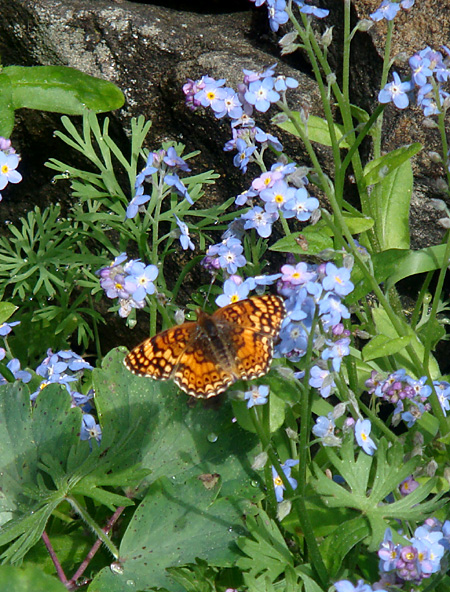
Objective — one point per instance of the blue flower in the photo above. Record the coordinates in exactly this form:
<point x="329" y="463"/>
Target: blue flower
<point x="298" y="274"/>
<point x="362" y="431"/>
<point x="262" y="136"/>
<point x="232" y="292"/>
<point x="8" y="173"/>
<point x="260" y="93"/>
<point x="282" y="83"/>
<point x="143" y="277"/>
<point x="6" y="328"/>
<point x="138" y="200"/>
<point x="211" y="93"/>
<point x="175" y="182"/>
<point x="322" y="379"/>
<point x="257" y="395"/>
<point x="324" y="427"/>
<point x="314" y="10"/>
<point x="89" y="429"/>
<point x="276" y="197"/>
<point x="387" y="10"/>
<point x="228" y="105"/>
<point x="260" y="220"/>
<point x="173" y="160"/>
<point x="230" y="255"/>
<point x="278" y="482"/>
<point x="337" y="280"/>
<point x="242" y="158"/>
<point x="300" y="206"/>
<point x="332" y="310"/>
<point x="277" y="16"/>
<point x="347" y="586"/>
<point x="14" y="367"/>
<point x="419" y="69"/>
<point x="395" y="91"/>
<point x="336" y="352"/>
<point x="185" y="240"/>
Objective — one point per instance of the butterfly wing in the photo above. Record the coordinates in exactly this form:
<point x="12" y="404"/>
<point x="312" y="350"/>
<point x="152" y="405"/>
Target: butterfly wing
<point x="252" y="353"/>
<point x="158" y="356"/>
<point x="261" y="314"/>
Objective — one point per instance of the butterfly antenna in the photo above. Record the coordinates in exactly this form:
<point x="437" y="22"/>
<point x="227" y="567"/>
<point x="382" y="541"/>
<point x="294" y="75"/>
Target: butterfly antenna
<point x="213" y="279"/>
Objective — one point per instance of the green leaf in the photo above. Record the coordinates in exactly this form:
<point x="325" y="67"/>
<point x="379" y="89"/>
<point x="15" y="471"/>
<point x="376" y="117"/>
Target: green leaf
<point x="6" y="106"/>
<point x="337" y="546"/>
<point x="403" y="359"/>
<point x="28" y="579"/>
<point x="6" y="310"/>
<point x="266" y="552"/>
<point x="390" y="206"/>
<point x="376" y="170"/>
<point x="365" y="490"/>
<point x="174" y="524"/>
<point x="381" y="346"/>
<point x="174" y="440"/>
<point x="310" y="241"/>
<point x="62" y="90"/>
<point x="393" y="265"/>
<point x="316" y="129"/>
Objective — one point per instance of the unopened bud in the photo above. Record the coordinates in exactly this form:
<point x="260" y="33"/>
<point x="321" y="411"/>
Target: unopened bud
<point x="260" y="461"/>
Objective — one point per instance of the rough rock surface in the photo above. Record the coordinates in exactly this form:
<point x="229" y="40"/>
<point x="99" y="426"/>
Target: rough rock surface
<point x="149" y="49"/>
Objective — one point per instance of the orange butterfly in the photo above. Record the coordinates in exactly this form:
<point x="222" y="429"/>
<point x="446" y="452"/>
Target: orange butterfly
<point x="205" y="357"/>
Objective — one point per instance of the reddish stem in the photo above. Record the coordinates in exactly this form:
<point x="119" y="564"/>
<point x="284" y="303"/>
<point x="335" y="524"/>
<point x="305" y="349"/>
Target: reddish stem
<point x="71" y="585"/>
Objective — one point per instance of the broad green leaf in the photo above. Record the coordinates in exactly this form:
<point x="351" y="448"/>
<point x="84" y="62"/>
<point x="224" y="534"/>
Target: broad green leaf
<point x="390" y="206"/>
<point x="28" y="579"/>
<point x="6" y="106"/>
<point x="336" y="546"/>
<point x="376" y="170"/>
<point x="174" y="439"/>
<point x="316" y="129"/>
<point x="310" y="241"/>
<point x="174" y="524"/>
<point x="381" y="346"/>
<point x="393" y="265"/>
<point x="403" y="359"/>
<point x="62" y="90"/>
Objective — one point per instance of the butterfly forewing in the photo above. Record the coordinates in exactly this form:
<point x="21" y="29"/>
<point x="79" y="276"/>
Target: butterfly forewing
<point x="262" y="314"/>
<point x="158" y="356"/>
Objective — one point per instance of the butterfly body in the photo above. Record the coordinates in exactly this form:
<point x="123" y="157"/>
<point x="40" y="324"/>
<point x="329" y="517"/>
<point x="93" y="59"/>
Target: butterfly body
<point x="205" y="357"/>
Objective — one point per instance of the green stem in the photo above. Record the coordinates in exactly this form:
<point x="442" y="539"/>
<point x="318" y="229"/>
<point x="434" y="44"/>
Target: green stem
<point x="298" y="502"/>
<point x="98" y="347"/>
<point x="94" y="527"/>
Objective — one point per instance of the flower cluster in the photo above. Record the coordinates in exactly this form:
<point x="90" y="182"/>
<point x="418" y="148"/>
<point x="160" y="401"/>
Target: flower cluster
<point x="418" y="560"/>
<point x="130" y="282"/>
<point x="66" y="368"/>
<point x="312" y="290"/>
<point x="278" y="14"/>
<point x="325" y="427"/>
<point x="9" y="162"/>
<point x="429" y="70"/>
<point x="408" y="394"/>
<point x="257" y="92"/>
<point x="160" y="172"/>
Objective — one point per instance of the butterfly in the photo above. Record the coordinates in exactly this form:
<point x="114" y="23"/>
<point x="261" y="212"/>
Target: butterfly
<point x="205" y="357"/>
